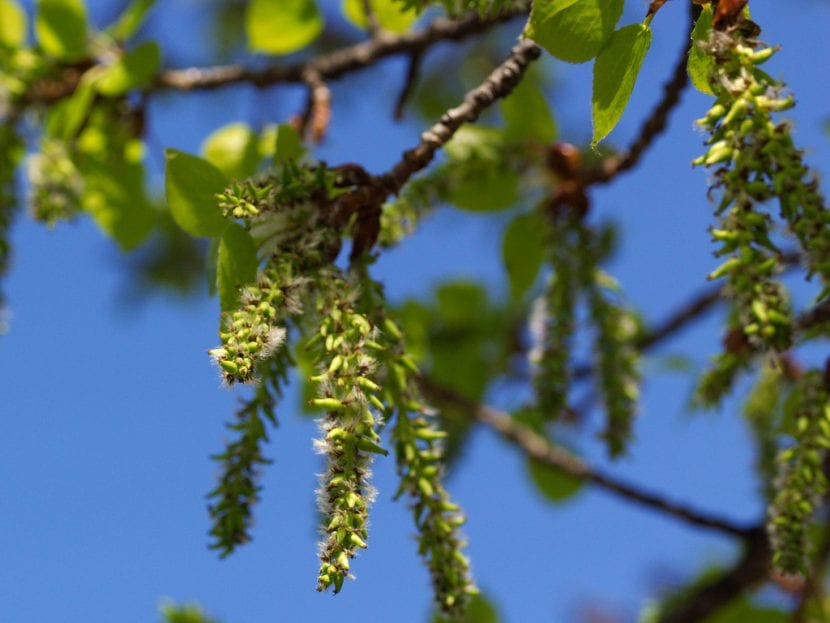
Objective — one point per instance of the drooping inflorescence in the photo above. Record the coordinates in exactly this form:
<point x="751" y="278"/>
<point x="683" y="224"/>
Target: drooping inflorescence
<point x="349" y="393"/>
<point x="358" y="380"/>
<point x="801" y="482"/>
<point x="575" y="253"/>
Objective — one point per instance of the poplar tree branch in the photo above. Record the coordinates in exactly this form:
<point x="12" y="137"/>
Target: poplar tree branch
<point x="537" y="447"/>
<point x="333" y="65"/>
<point x="709" y="597"/>
<point x="498" y="84"/>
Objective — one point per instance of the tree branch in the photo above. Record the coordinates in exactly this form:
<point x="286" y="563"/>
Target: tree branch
<point x="537" y="447"/>
<point x="367" y="199"/>
<point x="332" y="65"/>
<point x="711" y="596"/>
<point x="498" y="84"/>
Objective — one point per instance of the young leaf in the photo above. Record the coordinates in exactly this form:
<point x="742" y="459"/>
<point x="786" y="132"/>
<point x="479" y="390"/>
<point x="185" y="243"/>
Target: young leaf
<point x="236" y="264"/>
<point x="615" y="73"/>
<point x="554" y="484"/>
<point x="66" y="118"/>
<point x="573" y="30"/>
<point x="523" y="250"/>
<point x="282" y="26"/>
<point x="61" y="26"/>
<point x="391" y="14"/>
<point x="131" y="19"/>
<point x="234" y="150"/>
<point x="701" y="65"/>
<point x="191" y="184"/>
<point x="527" y="115"/>
<point x="288" y="144"/>
<point x="13" y="24"/>
<point x="114" y="196"/>
<point x="133" y="70"/>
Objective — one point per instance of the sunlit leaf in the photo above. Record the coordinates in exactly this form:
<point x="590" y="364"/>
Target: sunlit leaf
<point x="234" y="150"/>
<point x="523" y="249"/>
<point x="282" y="26"/>
<point x="61" y="28"/>
<point x="701" y="65"/>
<point x="236" y="264"/>
<point x="114" y="196"/>
<point x="615" y="74"/>
<point x="132" y="71"/>
<point x="131" y="19"/>
<point x="389" y="13"/>
<point x="13" y="24"/>
<point x="573" y="30"/>
<point x="191" y="184"/>
<point x="67" y="116"/>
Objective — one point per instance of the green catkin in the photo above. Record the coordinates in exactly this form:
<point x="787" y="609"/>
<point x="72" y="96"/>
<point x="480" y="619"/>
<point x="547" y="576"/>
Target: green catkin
<point x="55" y="182"/>
<point x="254" y="330"/>
<point x="552" y="379"/>
<point x="11" y="151"/>
<point x="349" y="439"/>
<point x="233" y="499"/>
<point x="617" y="361"/>
<point x="801" y="482"/>
<point x="716" y="383"/>
<point x="419" y="455"/>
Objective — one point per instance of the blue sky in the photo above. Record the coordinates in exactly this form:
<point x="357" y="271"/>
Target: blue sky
<point x="109" y="413"/>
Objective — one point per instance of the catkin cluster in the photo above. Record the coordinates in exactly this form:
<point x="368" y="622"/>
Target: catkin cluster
<point x="575" y="256"/>
<point x="801" y="481"/>
<point x="755" y="161"/>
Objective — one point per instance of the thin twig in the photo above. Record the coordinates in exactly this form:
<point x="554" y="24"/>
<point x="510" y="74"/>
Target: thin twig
<point x="333" y="65"/>
<point x="498" y="84"/>
<point x="537" y="447"/>
<point x="371" y="19"/>
<point x="654" y="124"/>
<point x="366" y="200"/>
<point x="317" y="115"/>
<point x="413" y="70"/>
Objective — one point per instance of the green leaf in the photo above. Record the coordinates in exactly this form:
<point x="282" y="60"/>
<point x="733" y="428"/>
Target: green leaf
<point x="191" y="184"/>
<point x="282" y="26"/>
<point x="615" y="73"/>
<point x="236" y="264"/>
<point x="67" y="116"/>
<point x="527" y="115"/>
<point x="234" y="150"/>
<point x="553" y="483"/>
<point x="522" y="250"/>
<point x="288" y="144"/>
<point x="114" y="196"/>
<point x="60" y="26"/>
<point x="13" y="24"/>
<point x="131" y="19"/>
<point x="132" y="71"/>
<point x="573" y="30"/>
<point x="390" y="14"/>
<point x="701" y="65"/>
